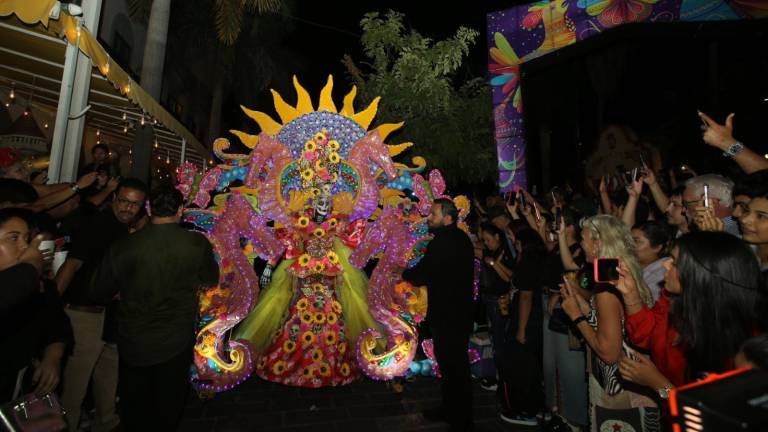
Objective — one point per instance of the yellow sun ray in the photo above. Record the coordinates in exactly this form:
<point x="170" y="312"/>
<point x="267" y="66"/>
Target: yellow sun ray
<point x="248" y="140"/>
<point x="396" y="149"/>
<point x="387" y="128"/>
<point x="365" y="117"/>
<point x="284" y="109"/>
<point x="326" y="98"/>
<point x="349" y="109"/>
<point x="266" y="123"/>
<point x="304" y="102"/>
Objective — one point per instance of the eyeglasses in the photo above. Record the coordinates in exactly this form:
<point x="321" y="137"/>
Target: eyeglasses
<point x="129" y="203"/>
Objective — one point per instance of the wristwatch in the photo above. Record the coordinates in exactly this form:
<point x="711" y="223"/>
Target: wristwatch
<point x="664" y="391"/>
<point x="733" y="149"/>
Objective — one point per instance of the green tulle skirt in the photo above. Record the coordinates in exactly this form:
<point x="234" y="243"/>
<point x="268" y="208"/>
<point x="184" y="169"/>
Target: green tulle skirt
<point x="271" y="311"/>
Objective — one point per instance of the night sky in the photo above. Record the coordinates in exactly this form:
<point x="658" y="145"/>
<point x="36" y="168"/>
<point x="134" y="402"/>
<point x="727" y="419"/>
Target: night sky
<point x="325" y="31"/>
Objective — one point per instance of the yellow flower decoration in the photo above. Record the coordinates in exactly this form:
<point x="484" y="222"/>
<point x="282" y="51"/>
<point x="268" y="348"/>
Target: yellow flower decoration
<point x="332" y="318"/>
<point x="304" y="260"/>
<point x="278" y="368"/>
<point x="302" y="304"/>
<point x="307" y="337"/>
<point x="289" y="346"/>
<point x="332" y="222"/>
<point x="318" y="232"/>
<point x="344" y="369"/>
<point x="319" y="318"/>
<point x="307" y="372"/>
<point x="318" y="286"/>
<point x="332" y="257"/>
<point x="334" y="177"/>
<point x="319" y="137"/>
<point x="307" y="174"/>
<point x="324" y="369"/>
<point x="262" y="363"/>
<point x="330" y="338"/>
<point x="342" y="347"/>
<point x="336" y="306"/>
<point x="317" y="354"/>
<point x="315" y="191"/>
<point x="319" y="165"/>
<point x="310" y="146"/>
<point x="306" y="318"/>
<point x="319" y="267"/>
<point x="334" y="157"/>
<point x="333" y="145"/>
<point x="303" y="222"/>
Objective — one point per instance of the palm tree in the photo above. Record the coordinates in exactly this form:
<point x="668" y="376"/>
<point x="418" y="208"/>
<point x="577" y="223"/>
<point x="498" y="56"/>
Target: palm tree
<point x="228" y="18"/>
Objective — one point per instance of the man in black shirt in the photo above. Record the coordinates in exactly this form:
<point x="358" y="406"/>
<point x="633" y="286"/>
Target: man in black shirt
<point x="92" y="356"/>
<point x="447" y="269"/>
<point x="157" y="273"/>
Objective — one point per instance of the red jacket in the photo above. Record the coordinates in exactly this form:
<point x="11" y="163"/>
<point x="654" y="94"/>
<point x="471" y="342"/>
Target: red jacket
<point x="650" y="329"/>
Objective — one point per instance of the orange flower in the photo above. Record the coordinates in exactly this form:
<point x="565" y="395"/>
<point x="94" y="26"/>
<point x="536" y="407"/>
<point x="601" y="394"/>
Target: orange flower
<point x="332" y="318"/>
<point x="307" y="338"/>
<point x="289" y="346"/>
<point x="325" y="369"/>
<point x="330" y="338"/>
<point x="317" y="354"/>
<point x="344" y="369"/>
<point x="278" y="368"/>
<point x="319" y="318"/>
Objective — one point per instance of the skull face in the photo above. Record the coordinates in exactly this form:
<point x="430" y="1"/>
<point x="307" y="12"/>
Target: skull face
<point x="322" y="202"/>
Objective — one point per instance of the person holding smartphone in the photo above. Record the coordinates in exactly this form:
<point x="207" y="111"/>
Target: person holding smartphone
<point x="600" y="318"/>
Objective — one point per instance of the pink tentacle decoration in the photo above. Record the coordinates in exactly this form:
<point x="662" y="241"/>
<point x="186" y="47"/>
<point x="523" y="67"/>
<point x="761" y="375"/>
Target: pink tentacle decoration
<point x="207" y="184"/>
<point x="367" y="154"/>
<point x="420" y="190"/>
<point x="269" y="150"/>
<point x="222" y="364"/>
<point x="437" y="184"/>
<point x="185" y="174"/>
<point x="388" y="234"/>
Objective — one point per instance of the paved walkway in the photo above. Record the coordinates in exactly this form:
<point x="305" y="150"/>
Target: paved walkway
<point x="366" y="406"/>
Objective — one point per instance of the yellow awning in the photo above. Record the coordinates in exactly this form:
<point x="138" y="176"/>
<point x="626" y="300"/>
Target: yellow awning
<point x="36" y="13"/>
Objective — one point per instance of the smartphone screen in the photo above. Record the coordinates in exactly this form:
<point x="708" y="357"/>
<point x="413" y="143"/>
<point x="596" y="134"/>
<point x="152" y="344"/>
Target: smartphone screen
<point x="706" y="196"/>
<point x="558" y="218"/>
<point x="606" y="269"/>
<point x="521" y="197"/>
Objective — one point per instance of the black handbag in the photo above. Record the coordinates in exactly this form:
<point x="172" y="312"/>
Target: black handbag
<point x="559" y="321"/>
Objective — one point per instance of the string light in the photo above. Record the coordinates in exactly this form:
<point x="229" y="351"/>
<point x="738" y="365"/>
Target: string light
<point x="142" y="120"/>
<point x="125" y="129"/>
<point x="125" y="116"/>
<point x="12" y="95"/>
<point x="98" y="132"/>
<point x="45" y="125"/>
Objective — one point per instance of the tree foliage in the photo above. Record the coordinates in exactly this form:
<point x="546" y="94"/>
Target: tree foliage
<point x="449" y="120"/>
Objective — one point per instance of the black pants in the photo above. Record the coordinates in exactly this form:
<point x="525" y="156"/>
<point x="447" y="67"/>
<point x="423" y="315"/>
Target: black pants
<point x="152" y="398"/>
<point x="520" y="388"/>
<point x="451" y="343"/>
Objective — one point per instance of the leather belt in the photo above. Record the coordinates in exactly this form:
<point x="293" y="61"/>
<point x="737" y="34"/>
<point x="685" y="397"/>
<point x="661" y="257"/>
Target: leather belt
<point x="82" y="308"/>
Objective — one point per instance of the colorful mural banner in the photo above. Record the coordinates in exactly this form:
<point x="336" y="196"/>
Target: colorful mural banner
<point x="525" y="32"/>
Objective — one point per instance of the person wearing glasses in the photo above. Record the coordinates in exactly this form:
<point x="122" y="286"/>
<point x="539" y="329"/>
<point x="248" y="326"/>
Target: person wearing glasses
<point x="95" y="353"/>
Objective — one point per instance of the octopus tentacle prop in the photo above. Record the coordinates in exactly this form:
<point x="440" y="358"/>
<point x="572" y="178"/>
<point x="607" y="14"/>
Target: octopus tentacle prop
<point x="389" y="234"/>
<point x="222" y="364"/>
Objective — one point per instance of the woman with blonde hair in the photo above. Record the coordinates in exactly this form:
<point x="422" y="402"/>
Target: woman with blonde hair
<point x="597" y="311"/>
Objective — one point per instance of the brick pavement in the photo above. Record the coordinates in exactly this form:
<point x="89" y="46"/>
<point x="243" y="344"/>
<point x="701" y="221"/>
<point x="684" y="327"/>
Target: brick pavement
<point x="366" y="406"/>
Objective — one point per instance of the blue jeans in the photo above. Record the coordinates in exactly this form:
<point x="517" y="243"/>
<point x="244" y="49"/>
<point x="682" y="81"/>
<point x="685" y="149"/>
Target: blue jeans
<point x="565" y="377"/>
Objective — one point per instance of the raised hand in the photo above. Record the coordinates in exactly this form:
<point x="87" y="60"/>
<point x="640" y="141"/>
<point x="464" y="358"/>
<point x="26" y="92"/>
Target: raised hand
<point x="87" y="180"/>
<point x="626" y="283"/>
<point x="649" y="177"/>
<point x="635" y="188"/>
<point x="715" y="134"/>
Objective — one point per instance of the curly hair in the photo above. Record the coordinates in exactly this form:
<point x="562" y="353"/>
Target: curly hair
<point x="616" y="241"/>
